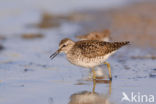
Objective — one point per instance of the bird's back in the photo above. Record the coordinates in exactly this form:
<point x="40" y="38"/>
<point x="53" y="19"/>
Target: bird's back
<point x="90" y="53"/>
<point x="95" y="48"/>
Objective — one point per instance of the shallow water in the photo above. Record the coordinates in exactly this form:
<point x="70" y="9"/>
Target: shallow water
<point x="28" y="76"/>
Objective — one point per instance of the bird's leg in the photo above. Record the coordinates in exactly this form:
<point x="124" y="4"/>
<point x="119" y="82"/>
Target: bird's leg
<point x="110" y="87"/>
<point x="94" y="85"/>
<point x="109" y="69"/>
<point x="94" y="74"/>
<point x="108" y="94"/>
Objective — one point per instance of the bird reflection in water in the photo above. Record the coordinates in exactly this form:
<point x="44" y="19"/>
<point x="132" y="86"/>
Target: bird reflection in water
<point x="86" y="97"/>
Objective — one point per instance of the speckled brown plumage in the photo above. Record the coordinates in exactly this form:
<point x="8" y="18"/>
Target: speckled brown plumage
<point x="94" y="48"/>
<point x="87" y="53"/>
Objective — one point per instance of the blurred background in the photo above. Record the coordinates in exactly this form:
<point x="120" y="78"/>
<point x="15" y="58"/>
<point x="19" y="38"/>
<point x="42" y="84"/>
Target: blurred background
<point x="30" y="31"/>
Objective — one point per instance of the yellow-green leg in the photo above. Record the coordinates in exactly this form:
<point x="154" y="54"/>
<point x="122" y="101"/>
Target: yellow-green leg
<point x="109" y="70"/>
<point x="94" y="85"/>
<point x="94" y="73"/>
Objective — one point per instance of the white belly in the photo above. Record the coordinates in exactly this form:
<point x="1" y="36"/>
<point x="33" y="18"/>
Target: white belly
<point x="88" y="62"/>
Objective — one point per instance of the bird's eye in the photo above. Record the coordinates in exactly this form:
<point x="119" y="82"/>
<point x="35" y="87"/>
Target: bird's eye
<point x="63" y="45"/>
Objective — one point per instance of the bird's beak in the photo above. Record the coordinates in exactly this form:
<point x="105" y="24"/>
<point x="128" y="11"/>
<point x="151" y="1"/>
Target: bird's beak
<point x="55" y="54"/>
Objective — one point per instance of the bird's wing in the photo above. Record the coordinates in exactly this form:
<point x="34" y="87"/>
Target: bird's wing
<point x="95" y="48"/>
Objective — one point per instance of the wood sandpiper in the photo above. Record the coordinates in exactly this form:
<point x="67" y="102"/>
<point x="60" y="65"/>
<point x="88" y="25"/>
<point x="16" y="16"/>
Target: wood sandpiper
<point x="88" y="53"/>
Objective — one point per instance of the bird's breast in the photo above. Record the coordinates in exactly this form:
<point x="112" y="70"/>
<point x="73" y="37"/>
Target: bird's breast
<point x="86" y="62"/>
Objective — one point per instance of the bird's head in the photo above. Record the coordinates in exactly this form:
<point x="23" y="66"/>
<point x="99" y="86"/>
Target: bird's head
<point x="64" y="46"/>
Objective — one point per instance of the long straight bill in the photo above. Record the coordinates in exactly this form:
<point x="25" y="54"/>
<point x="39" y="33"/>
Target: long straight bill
<point x="54" y="54"/>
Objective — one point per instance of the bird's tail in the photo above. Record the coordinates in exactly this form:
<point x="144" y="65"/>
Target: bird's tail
<point x="113" y="46"/>
<point x="117" y="45"/>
